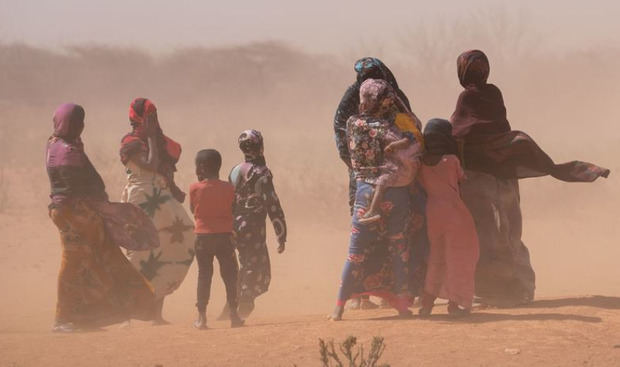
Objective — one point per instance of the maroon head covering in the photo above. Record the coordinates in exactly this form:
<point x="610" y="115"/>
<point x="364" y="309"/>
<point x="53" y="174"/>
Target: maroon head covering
<point x="65" y="146"/>
<point x="488" y="143"/>
<point x="70" y="171"/>
<point x="473" y="68"/>
<point x="480" y="106"/>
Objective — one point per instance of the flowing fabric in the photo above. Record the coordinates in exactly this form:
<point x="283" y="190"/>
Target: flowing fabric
<point x="97" y="286"/>
<point x="489" y="144"/>
<point x="166" y="266"/>
<point x="494" y="157"/>
<point x="452" y="233"/>
<point x="504" y="275"/>
<point x="379" y="259"/>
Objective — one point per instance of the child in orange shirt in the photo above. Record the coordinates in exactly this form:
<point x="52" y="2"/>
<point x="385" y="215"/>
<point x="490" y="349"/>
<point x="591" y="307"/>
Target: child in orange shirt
<point x="211" y="201"/>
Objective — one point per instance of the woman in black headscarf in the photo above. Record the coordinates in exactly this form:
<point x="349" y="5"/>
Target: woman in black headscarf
<point x="365" y="68"/>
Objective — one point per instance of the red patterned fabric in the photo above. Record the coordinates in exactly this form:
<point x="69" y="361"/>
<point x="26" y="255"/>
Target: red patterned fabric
<point x="136" y="142"/>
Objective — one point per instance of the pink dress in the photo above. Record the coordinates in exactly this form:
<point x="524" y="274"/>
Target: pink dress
<point x="452" y="234"/>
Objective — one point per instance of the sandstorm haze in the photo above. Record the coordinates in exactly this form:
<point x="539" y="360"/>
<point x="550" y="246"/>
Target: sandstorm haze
<point x="216" y="68"/>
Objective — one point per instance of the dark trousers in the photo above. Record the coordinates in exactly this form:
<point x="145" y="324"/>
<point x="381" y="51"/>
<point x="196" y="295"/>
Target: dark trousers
<point x="207" y="247"/>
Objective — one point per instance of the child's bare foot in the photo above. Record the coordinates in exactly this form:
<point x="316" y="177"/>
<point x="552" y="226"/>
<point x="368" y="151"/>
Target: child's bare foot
<point x="369" y="217"/>
<point x="201" y="322"/>
<point x="337" y="314"/>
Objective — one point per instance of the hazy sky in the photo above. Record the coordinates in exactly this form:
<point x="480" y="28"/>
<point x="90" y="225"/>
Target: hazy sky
<point x="319" y="25"/>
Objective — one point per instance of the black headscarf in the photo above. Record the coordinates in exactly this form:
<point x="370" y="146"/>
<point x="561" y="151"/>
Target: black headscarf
<point x="438" y="139"/>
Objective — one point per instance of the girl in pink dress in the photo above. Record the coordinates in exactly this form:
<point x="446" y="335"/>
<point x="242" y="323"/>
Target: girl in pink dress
<point x="452" y="234"/>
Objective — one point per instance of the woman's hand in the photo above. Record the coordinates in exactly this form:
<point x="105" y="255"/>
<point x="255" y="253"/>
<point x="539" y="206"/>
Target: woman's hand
<point x="281" y="247"/>
<point x="150" y="124"/>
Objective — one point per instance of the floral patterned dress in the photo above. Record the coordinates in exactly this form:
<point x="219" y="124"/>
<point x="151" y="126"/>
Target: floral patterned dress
<point x="379" y="260"/>
<point x="255" y="199"/>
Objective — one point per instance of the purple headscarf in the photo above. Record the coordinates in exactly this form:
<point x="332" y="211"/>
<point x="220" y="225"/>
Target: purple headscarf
<point x="65" y="148"/>
<point x="69" y="169"/>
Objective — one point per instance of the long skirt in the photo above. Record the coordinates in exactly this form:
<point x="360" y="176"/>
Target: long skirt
<point x="97" y="286"/>
<point x="254" y="263"/>
<point x="417" y="233"/>
<point x="166" y="266"/>
<point x="504" y="275"/>
<point x="453" y="251"/>
<point x="379" y="258"/>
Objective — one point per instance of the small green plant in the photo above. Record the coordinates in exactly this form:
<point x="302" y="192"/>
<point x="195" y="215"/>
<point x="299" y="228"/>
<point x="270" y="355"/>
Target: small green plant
<point x="350" y="355"/>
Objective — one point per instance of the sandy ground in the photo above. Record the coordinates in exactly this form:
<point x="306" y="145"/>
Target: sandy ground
<point x="206" y="97"/>
<point x="284" y="331"/>
<point x="581" y="331"/>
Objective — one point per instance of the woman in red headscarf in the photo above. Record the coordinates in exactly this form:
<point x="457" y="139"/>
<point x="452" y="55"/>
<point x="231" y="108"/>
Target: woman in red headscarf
<point x="150" y="158"/>
<point x="495" y="157"/>
<point x="97" y="286"/>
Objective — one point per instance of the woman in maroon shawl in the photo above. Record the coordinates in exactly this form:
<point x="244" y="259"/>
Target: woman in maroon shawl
<point x="97" y="286"/>
<point x="495" y="157"/>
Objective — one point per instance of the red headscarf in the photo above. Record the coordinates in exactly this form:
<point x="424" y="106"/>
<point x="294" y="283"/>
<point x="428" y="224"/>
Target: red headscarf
<point x="136" y="142"/>
<point x="139" y="109"/>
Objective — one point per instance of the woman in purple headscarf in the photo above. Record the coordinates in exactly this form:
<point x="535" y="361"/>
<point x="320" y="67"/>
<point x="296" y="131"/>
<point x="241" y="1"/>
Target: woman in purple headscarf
<point x="97" y="286"/>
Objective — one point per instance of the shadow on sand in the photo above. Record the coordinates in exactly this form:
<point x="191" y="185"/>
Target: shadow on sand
<point x="484" y="317"/>
<point x="610" y="303"/>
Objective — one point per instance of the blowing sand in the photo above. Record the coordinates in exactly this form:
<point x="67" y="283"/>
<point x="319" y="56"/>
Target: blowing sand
<point x="205" y="98"/>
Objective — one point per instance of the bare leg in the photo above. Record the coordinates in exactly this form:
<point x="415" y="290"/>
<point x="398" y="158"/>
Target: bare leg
<point x="201" y="321"/>
<point x="159" y="318"/>
<point x="372" y="215"/>
<point x="337" y="314"/>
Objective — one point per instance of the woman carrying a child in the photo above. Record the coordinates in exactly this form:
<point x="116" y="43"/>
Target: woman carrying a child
<point x="380" y="154"/>
<point x="495" y="157"/>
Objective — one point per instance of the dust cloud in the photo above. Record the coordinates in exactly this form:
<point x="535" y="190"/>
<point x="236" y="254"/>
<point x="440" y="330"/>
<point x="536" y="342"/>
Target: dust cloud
<point x="206" y="96"/>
